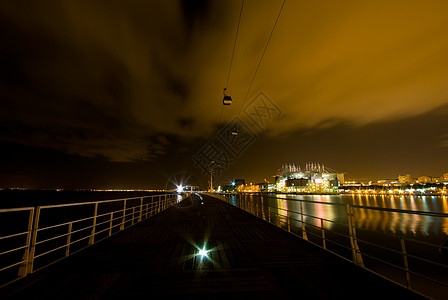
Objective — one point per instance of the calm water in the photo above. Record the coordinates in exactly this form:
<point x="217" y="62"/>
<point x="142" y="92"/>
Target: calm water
<point x="407" y="223"/>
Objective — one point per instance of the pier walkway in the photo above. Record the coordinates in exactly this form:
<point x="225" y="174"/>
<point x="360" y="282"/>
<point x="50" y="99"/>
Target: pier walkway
<point x="244" y="258"/>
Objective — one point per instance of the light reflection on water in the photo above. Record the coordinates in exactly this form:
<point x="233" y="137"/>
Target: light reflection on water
<point x="408" y="224"/>
<point x="325" y="224"/>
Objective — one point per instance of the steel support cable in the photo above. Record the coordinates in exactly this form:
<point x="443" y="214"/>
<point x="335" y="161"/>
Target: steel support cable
<point x="261" y="58"/>
<point x="233" y="53"/>
<point x="234" y="43"/>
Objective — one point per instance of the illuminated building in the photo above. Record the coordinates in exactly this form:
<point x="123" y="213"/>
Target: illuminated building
<point x="315" y="178"/>
<point x="234" y="185"/>
<point x="424" y="179"/>
<point x="405" y="178"/>
<point x="445" y="177"/>
<point x="244" y="188"/>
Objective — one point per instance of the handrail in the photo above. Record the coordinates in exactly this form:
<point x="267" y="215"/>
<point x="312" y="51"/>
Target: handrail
<point x="348" y="239"/>
<point x="42" y="245"/>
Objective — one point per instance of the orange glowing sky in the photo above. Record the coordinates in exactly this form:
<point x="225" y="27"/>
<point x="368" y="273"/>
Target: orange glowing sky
<point x="132" y="90"/>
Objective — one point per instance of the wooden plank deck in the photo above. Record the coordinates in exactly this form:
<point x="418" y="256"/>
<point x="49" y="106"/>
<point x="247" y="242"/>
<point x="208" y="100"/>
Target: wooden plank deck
<point x="249" y="258"/>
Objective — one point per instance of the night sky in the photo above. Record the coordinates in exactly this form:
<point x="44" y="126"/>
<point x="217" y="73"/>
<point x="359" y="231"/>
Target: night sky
<point x="128" y="94"/>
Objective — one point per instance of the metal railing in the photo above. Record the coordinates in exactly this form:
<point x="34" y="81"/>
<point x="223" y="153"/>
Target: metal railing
<point x="54" y="232"/>
<point x="414" y="264"/>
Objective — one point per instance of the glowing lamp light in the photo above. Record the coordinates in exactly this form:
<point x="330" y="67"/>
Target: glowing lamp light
<point x="203" y="252"/>
<point x="180" y="188"/>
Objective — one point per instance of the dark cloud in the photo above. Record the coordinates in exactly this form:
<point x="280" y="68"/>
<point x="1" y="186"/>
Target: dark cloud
<point x="138" y="81"/>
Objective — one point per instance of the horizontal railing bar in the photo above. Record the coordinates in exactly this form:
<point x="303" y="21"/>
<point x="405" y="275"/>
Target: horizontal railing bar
<point x="99" y="202"/>
<point x="80" y="229"/>
<point x="12" y="250"/>
<point x="16" y="209"/>
<point x="306" y="201"/>
<point x="344" y="224"/>
<point x="63" y="224"/>
<point x="51" y="239"/>
<point x="326" y="220"/>
<point x="396" y="236"/>
<point x="49" y="251"/>
<point x="428" y="278"/>
<point x="433" y="214"/>
<point x="78" y="240"/>
<point x="101" y="231"/>
<point x="14" y="235"/>
<point x="101" y="223"/>
<point x="337" y="243"/>
<point x="379" y="246"/>
<point x="84" y="219"/>
<point x="403" y="211"/>
<point x="383" y="261"/>
<point x="404" y="270"/>
<point x="310" y="224"/>
<point x="428" y="261"/>
<point x="13" y="265"/>
<point x="306" y="215"/>
<point x="315" y="234"/>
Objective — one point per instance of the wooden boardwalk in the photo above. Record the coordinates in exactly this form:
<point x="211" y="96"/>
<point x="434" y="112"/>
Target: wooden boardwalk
<point x="248" y="258"/>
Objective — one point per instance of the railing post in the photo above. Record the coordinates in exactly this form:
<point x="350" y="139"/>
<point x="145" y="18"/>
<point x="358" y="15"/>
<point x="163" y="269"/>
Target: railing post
<point x="158" y="204"/>
<point x="405" y="262"/>
<point x="69" y="238"/>
<point x="263" y="214"/>
<point x="147" y="210"/>
<point x="152" y="206"/>
<point x="356" y="253"/>
<point x="324" y="242"/>
<point x="124" y="215"/>
<point x="304" y="235"/>
<point x="269" y="214"/>
<point x="133" y="215"/>
<point x="92" y="234"/>
<point x="111" y="223"/>
<point x="26" y="254"/>
<point x="33" y="242"/>
<point x="141" y="209"/>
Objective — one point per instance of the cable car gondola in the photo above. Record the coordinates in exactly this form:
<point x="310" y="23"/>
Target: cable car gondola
<point x="227" y="99"/>
<point x="234" y="132"/>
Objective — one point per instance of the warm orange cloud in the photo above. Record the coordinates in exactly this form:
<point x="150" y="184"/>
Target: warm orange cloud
<point x="98" y="79"/>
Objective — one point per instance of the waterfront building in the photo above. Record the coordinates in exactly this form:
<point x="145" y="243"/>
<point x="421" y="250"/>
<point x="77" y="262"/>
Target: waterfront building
<point x="445" y="177"/>
<point x="314" y="178"/>
<point x="248" y="188"/>
<point x="405" y="178"/>
<point x="437" y="179"/>
<point x="424" y="179"/>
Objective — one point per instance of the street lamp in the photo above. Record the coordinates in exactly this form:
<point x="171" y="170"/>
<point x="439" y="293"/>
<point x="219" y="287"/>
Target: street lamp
<point x="212" y="167"/>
